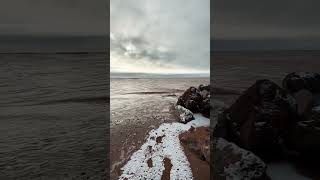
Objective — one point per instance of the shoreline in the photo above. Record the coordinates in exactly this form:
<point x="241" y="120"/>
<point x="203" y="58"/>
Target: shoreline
<point x="138" y="110"/>
<point x="164" y="145"/>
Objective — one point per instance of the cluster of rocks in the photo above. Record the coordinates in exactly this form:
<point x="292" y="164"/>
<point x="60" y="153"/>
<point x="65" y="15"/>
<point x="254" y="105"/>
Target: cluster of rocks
<point x="197" y="100"/>
<point x="266" y="123"/>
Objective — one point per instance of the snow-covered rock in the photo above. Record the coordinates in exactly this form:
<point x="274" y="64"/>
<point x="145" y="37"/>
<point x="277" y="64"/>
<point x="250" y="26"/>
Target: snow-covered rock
<point x="231" y="162"/>
<point x="196" y="100"/>
<point x="184" y="114"/>
<point x="191" y="99"/>
<point x="258" y="118"/>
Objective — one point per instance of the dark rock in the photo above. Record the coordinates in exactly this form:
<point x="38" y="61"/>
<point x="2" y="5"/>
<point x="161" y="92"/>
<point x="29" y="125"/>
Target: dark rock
<point x="204" y="87"/>
<point x="232" y="162"/>
<point x="205" y="94"/>
<point x="205" y="107"/>
<point x="258" y="119"/>
<point x="304" y="136"/>
<point x="191" y="99"/>
<point x="304" y="101"/>
<point x="197" y="100"/>
<point x="295" y="81"/>
<point x="315" y="113"/>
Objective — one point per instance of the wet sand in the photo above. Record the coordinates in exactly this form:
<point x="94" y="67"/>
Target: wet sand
<point x="128" y="138"/>
<point x="200" y="168"/>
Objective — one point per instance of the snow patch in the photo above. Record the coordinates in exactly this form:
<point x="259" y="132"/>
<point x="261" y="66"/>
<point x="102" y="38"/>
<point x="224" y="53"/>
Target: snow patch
<point x="242" y="169"/>
<point x="185" y="114"/>
<point x="137" y="167"/>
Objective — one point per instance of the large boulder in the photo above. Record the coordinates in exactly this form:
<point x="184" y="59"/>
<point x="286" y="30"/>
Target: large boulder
<point x="232" y="162"/>
<point x="296" y="81"/>
<point x="258" y="119"/>
<point x="191" y="99"/>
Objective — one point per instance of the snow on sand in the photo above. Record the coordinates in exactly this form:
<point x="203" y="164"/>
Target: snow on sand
<point x="162" y="143"/>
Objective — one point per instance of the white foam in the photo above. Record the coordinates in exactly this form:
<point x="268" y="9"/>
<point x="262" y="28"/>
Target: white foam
<point x="137" y="166"/>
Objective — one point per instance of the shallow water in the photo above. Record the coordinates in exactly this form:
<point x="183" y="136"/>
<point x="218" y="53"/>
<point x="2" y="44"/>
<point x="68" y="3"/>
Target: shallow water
<point x="53" y="116"/>
<point x="128" y="95"/>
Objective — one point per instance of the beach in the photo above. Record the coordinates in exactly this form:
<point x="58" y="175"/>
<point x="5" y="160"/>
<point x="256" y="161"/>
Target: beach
<point x="139" y="105"/>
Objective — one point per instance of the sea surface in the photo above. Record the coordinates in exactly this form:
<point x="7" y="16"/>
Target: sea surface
<point x="53" y="116"/>
<point x="238" y="70"/>
<point x="134" y="96"/>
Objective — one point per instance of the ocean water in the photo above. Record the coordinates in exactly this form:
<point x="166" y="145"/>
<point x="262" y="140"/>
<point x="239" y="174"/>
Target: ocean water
<point x="53" y="116"/>
<point x="147" y="94"/>
<point x="238" y="70"/>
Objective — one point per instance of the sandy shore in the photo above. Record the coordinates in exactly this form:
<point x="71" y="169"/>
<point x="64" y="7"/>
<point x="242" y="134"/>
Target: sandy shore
<point x="163" y="156"/>
<point x="128" y="138"/>
<point x="200" y="168"/>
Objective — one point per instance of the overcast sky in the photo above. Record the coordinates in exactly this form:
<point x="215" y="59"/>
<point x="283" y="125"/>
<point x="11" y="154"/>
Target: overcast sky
<point x="265" y="19"/>
<point x="160" y="36"/>
<point x="53" y="17"/>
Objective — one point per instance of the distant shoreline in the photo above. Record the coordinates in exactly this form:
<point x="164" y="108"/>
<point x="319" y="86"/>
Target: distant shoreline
<point x="116" y="76"/>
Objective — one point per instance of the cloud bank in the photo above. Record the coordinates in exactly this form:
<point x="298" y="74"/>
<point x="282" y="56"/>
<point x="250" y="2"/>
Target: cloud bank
<point x="160" y="36"/>
<point x="54" y="17"/>
<point x="265" y="19"/>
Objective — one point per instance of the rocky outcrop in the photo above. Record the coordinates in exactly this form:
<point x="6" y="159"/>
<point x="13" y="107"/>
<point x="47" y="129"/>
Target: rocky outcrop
<point x="271" y="122"/>
<point x="259" y="117"/>
<point x="196" y="100"/>
<point x="304" y="136"/>
<point x="191" y="99"/>
<point x="232" y="162"/>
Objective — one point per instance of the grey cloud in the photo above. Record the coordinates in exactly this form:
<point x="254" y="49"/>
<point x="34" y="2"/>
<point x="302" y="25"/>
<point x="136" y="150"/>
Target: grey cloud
<point x="56" y="16"/>
<point x="169" y="32"/>
<point x="141" y="49"/>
